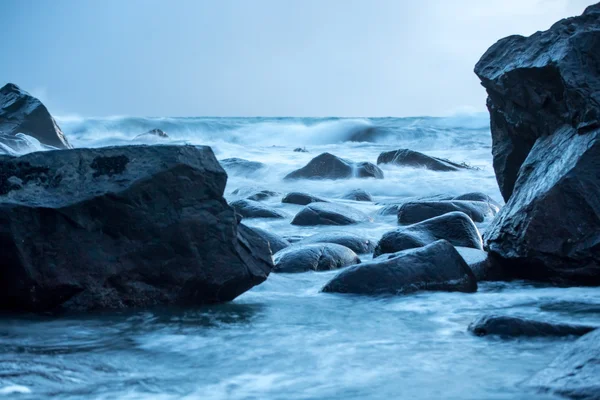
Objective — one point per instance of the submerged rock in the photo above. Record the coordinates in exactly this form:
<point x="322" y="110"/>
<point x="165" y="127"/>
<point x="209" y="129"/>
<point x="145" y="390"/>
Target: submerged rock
<point x="358" y="244"/>
<point x="506" y="326"/>
<point x="436" y="267"/>
<point x="414" y="212"/>
<point x="121" y="227"/>
<point x="328" y="166"/>
<point x="574" y="373"/>
<point x="276" y="242"/>
<point x="302" y="199"/>
<point x="22" y="113"/>
<point x="314" y="257"/>
<point x="254" y="209"/>
<point x="159" y="133"/>
<point x="240" y="166"/>
<point x="414" y="159"/>
<point x="456" y="227"/>
<point x="544" y="104"/>
<point x="357" y="195"/>
<point x="329" y="214"/>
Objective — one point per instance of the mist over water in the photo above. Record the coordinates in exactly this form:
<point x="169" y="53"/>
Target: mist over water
<point x="285" y="339"/>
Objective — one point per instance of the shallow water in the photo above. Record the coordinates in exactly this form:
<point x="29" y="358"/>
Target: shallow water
<point x="285" y="339"/>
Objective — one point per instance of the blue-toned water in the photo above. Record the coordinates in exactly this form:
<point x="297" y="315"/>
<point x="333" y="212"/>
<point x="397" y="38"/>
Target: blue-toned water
<point x="285" y="339"/>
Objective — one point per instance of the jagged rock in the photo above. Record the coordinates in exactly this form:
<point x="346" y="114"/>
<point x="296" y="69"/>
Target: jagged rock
<point x="119" y="227"/>
<point x="358" y="244"/>
<point x="414" y="159"/>
<point x="314" y="257"/>
<point x="254" y="209"/>
<point x="22" y="113"/>
<point x="159" y="133"/>
<point x="456" y="227"/>
<point x="328" y="166"/>
<point x="507" y="326"/>
<point x="414" y="212"/>
<point x="357" y="195"/>
<point x="544" y="103"/>
<point x="329" y="214"/>
<point x="302" y="199"/>
<point x="276" y="242"/>
<point x="435" y="267"/>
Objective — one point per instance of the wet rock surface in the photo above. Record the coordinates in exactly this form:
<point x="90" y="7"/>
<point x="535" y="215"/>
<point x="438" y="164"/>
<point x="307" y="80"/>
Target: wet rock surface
<point x="329" y="214"/>
<point x="328" y="166"/>
<point x="314" y="257"/>
<point x="510" y="327"/>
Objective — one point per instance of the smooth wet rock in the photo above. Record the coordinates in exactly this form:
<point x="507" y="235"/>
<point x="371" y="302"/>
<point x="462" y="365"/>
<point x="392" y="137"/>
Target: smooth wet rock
<point x="158" y="133"/>
<point x="357" y="195"/>
<point x="574" y="373"/>
<point x="456" y="227"/>
<point x="276" y="242"/>
<point x="328" y="166"/>
<point x="302" y="199"/>
<point x="329" y="214"/>
<point x="121" y="227"/>
<point x="254" y="209"/>
<point x="544" y="104"/>
<point x="436" y="267"/>
<point x="254" y="193"/>
<point x="484" y="267"/>
<point x="506" y="326"/>
<point x="392" y="208"/>
<point x="314" y="257"/>
<point x="414" y="212"/>
<point x="414" y="159"/>
<point x="478" y="196"/>
<point x="240" y="166"/>
<point x="358" y="244"/>
<point x="22" y="113"/>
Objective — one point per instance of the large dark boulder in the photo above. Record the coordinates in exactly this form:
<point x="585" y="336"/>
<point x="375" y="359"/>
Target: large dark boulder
<point x="302" y="199"/>
<point x="314" y="257"/>
<point x="436" y="267"/>
<point x="544" y="104"/>
<point x="240" y="166"/>
<point x="120" y="227"/>
<point x="417" y="211"/>
<point x="358" y="244"/>
<point x="574" y="373"/>
<point x="22" y="113"/>
<point x="329" y="214"/>
<point x="328" y="166"/>
<point x="414" y="159"/>
<point x="357" y="195"/>
<point x="456" y="227"/>
<point x="254" y="209"/>
<point x="510" y="327"/>
<point x="276" y="242"/>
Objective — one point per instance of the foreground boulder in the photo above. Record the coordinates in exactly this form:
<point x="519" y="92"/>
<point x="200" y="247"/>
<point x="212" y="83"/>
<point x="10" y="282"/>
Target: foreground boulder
<point x="314" y="257"/>
<point x="121" y="227"/>
<point x="414" y="159"/>
<point x="544" y="104"/>
<point x="417" y="211"/>
<point x="22" y="113"/>
<point x="302" y="199"/>
<point x="328" y="166"/>
<point x="574" y="373"/>
<point x="456" y="227"/>
<point x="329" y="214"/>
<point x="436" y="267"/>
<point x="358" y="244"/>
<point x="254" y="209"/>
<point x="357" y="195"/>
<point x="276" y="242"/>
<point x="506" y="326"/>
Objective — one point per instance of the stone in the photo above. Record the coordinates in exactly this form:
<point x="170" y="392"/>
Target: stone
<point x="328" y="166"/>
<point x="358" y="244"/>
<point x="254" y="209"/>
<point x="418" y="211"/>
<point x="329" y="214"/>
<point x="276" y="242"/>
<point x="302" y="199"/>
<point x="357" y="195"/>
<point x="510" y="327"/>
<point x="314" y="257"/>
<point x="414" y="159"/>
<point x="484" y="267"/>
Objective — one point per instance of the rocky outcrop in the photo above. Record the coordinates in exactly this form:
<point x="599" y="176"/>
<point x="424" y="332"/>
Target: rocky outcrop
<point x="418" y="211"/>
<point x="121" y="227"/>
<point x="328" y="166"/>
<point x="574" y="373"/>
<point x="314" y="257"/>
<point x="510" y="327"/>
<point x="357" y="195"/>
<point x="436" y="267"/>
<point x="254" y="209"/>
<point x="544" y="104"/>
<point x="329" y="214"/>
<point x="22" y="113"/>
<point x="456" y="227"/>
<point x="414" y="159"/>
<point x="276" y="242"/>
<point x="358" y="244"/>
<point x="302" y="199"/>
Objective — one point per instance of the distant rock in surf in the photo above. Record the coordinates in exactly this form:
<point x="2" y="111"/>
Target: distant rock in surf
<point x="121" y="227"/>
<point x="414" y="159"/>
<point x="254" y="209"/>
<point x="357" y="195"/>
<point x="302" y="199"/>
<point x="22" y="113"/>
<point x="314" y="257"/>
<point x="254" y="193"/>
<point x="239" y="166"/>
<point x="300" y="150"/>
<point x="510" y="327"/>
<point x="328" y="166"/>
<point x="435" y="267"/>
<point x="544" y="103"/>
<point x="158" y="133"/>
<point x="329" y="214"/>
<point x="358" y="244"/>
<point x="418" y="211"/>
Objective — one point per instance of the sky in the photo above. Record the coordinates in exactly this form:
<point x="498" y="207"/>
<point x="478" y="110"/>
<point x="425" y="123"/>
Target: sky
<point x="260" y="57"/>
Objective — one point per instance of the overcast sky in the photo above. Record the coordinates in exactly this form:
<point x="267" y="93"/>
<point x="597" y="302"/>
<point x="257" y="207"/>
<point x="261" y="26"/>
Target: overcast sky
<point x="260" y="57"/>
